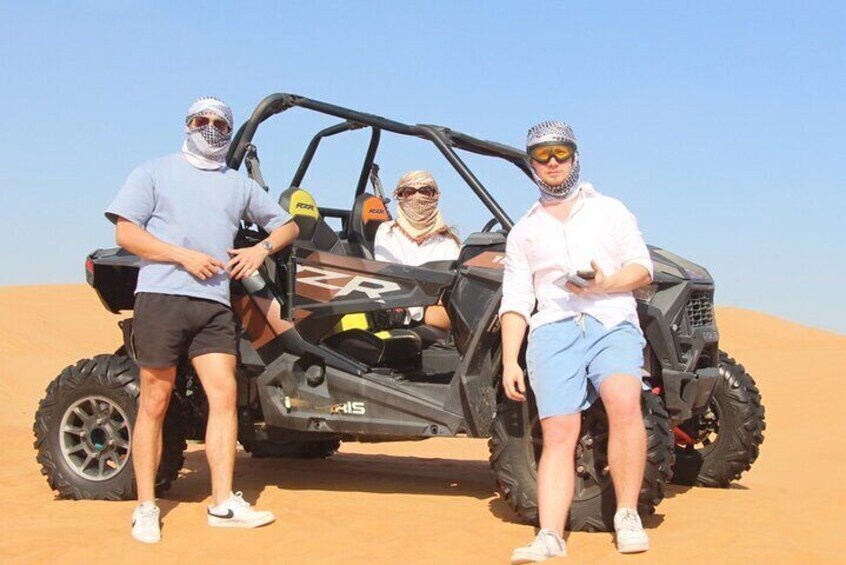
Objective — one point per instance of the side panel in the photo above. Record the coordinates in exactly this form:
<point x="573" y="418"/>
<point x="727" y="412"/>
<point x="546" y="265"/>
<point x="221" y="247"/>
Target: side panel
<point x="302" y="396"/>
<point x="327" y="283"/>
<point x="479" y="282"/>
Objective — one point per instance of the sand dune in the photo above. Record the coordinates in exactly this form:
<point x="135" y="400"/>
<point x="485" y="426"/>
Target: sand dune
<point x="423" y="502"/>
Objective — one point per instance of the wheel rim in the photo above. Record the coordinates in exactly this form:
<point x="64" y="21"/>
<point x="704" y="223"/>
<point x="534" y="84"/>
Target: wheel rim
<point x="593" y="475"/>
<point x="707" y="432"/>
<point x="94" y="437"/>
<point x="705" y="429"/>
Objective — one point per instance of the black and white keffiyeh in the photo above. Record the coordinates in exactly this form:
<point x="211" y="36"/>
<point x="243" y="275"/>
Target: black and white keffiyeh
<point x="552" y="133"/>
<point x="205" y="147"/>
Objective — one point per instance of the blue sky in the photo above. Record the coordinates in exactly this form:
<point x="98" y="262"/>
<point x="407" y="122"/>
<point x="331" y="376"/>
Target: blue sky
<point x="720" y="124"/>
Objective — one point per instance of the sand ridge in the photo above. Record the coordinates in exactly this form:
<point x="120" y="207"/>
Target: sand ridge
<point x="422" y="502"/>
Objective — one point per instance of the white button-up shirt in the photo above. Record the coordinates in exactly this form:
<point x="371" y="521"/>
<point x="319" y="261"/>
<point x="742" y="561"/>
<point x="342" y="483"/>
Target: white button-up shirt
<point x="394" y="246"/>
<point x="541" y="249"/>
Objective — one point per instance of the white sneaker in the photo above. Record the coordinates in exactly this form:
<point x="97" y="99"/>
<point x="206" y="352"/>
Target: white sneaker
<point x="145" y="523"/>
<point x="235" y="512"/>
<point x="630" y="535"/>
<point x="545" y="545"/>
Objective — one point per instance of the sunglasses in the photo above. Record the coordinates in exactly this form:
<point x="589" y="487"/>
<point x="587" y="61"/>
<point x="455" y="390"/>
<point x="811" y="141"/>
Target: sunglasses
<point x="425" y="190"/>
<point x="544" y="153"/>
<point x="219" y="124"/>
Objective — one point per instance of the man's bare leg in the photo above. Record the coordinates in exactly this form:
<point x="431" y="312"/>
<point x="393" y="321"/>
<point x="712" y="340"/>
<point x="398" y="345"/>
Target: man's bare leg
<point x="217" y="375"/>
<point x="556" y="473"/>
<point x="156" y="389"/>
<point x="627" y="437"/>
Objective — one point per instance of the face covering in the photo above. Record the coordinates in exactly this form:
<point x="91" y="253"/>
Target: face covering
<point x="555" y="132"/>
<point x="205" y="147"/>
<point x="418" y="215"/>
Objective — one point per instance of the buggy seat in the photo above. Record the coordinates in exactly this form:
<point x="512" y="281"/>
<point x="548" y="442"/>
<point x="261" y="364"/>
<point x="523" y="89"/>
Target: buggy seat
<point x="313" y="228"/>
<point x="368" y="213"/>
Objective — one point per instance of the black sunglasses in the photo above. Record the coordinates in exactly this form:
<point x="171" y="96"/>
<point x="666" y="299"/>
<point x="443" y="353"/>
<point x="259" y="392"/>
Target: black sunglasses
<point x="425" y="190"/>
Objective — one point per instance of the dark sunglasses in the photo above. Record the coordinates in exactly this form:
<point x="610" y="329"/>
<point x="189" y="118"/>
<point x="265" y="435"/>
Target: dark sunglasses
<point x="219" y="125"/>
<point x="406" y="191"/>
<point x="544" y="153"/>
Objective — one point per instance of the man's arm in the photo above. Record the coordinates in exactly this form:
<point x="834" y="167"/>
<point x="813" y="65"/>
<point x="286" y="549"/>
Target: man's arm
<point x="518" y="300"/>
<point x="246" y="260"/>
<point x="630" y="277"/>
<point x="513" y="328"/>
<point x="139" y="241"/>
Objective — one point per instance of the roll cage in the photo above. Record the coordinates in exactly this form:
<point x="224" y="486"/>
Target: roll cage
<point x="445" y="139"/>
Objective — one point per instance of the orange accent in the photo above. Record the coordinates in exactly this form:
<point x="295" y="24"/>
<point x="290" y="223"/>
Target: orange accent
<point x="261" y="318"/>
<point x="374" y="210"/>
<point x="487" y="260"/>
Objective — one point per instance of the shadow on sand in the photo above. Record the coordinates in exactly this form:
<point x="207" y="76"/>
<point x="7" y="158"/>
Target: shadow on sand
<point x="343" y="472"/>
<point x="370" y="473"/>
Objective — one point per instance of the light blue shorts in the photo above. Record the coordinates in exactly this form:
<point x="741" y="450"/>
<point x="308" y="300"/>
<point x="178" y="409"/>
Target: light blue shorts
<point x="569" y="359"/>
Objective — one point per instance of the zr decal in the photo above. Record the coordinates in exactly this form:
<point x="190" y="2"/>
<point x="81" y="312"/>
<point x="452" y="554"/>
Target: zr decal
<point x="343" y="284"/>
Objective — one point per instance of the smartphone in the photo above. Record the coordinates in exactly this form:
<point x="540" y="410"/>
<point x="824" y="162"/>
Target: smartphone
<point x="577" y="280"/>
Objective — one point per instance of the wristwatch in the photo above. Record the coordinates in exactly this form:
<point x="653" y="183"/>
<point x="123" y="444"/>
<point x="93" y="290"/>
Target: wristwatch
<point x="267" y="246"/>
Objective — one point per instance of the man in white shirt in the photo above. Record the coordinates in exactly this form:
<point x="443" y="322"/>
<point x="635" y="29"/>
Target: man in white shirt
<point x="418" y="235"/>
<point x="584" y="336"/>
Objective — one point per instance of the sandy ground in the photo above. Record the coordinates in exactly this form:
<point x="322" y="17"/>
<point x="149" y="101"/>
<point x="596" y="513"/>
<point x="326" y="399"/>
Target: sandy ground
<point x="426" y="502"/>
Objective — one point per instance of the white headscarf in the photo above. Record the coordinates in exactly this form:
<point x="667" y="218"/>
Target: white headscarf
<point x="205" y="147"/>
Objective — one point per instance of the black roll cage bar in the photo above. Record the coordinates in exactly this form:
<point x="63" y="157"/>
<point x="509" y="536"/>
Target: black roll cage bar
<point x="445" y="139"/>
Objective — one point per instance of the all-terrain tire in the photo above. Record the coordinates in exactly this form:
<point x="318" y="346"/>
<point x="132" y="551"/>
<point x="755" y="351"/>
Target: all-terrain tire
<point x="515" y="446"/>
<point x="319" y="449"/>
<point x="83" y="429"/>
<point x="728" y="437"/>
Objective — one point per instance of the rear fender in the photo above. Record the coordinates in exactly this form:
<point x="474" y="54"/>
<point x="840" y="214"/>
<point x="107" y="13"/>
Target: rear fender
<point x="113" y="273"/>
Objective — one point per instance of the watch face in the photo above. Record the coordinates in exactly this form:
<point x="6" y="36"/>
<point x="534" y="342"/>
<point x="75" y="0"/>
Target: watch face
<point x="266" y="245"/>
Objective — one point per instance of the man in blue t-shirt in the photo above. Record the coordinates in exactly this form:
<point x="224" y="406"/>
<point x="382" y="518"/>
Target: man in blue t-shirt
<point x="180" y="215"/>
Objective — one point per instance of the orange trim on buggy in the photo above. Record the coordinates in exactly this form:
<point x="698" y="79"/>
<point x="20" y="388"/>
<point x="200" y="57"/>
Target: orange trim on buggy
<point x="374" y="210"/>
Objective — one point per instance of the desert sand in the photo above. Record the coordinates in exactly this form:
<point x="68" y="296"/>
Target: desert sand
<point x="423" y="502"/>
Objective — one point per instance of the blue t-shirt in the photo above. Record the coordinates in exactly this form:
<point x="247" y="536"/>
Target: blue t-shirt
<point x="193" y="208"/>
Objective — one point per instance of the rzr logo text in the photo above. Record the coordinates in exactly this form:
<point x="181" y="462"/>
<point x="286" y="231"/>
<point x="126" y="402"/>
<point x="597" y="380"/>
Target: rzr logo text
<point x="343" y="284"/>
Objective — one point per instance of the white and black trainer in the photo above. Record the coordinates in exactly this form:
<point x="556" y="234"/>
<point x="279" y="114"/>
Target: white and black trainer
<point x="547" y="544"/>
<point x="235" y="512"/>
<point x="145" y="523"/>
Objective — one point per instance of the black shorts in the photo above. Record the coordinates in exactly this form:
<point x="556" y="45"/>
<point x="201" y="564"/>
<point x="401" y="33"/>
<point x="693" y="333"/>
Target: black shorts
<point x="166" y="327"/>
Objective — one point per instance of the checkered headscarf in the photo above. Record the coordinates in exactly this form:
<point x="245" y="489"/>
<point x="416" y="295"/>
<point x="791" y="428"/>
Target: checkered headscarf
<point x="206" y="146"/>
<point x="555" y="133"/>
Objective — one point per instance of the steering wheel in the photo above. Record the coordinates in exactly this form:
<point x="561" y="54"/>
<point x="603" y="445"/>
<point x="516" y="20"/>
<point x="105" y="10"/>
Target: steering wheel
<point x="489" y="226"/>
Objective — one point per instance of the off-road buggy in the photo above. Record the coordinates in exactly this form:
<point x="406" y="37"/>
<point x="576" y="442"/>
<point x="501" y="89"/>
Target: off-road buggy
<point x="323" y="361"/>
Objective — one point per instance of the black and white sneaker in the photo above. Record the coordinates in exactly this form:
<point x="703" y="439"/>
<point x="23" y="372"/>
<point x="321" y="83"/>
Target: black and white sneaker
<point x="235" y="512"/>
<point x="145" y="523"/>
<point x="546" y="545"/>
